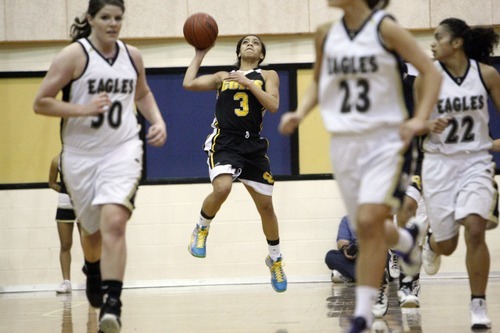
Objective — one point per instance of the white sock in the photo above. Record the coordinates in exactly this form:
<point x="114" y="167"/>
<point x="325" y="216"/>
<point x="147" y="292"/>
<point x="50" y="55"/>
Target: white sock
<point x="405" y="241"/>
<point x="366" y="297"/>
<point x="274" y="251"/>
<point x="204" y="222"/>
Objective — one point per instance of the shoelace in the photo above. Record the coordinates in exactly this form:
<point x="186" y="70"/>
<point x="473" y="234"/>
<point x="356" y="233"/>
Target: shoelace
<point x="415" y="288"/>
<point x="395" y="262"/>
<point x="278" y="271"/>
<point x="380" y="298"/>
<point x="202" y="237"/>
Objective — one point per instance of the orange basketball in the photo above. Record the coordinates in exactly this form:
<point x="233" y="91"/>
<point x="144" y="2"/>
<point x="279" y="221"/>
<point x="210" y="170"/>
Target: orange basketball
<point x="200" y="30"/>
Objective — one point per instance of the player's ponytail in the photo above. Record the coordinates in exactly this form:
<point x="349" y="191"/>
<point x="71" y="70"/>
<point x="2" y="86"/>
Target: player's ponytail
<point x="79" y="29"/>
<point x="480" y="44"/>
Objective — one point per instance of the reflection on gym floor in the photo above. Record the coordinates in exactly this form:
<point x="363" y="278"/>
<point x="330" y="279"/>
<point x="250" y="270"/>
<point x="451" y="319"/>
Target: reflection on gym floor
<point x="320" y="307"/>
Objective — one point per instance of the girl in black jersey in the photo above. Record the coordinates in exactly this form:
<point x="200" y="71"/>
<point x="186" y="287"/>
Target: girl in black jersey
<point x="235" y="148"/>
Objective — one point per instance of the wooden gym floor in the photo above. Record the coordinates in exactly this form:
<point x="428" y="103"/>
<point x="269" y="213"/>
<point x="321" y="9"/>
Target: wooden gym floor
<point x="320" y="307"/>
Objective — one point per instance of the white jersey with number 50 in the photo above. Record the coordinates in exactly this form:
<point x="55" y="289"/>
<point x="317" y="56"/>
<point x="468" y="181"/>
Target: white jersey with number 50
<point x="118" y="78"/>
<point x="360" y="87"/>
<point x="464" y="101"/>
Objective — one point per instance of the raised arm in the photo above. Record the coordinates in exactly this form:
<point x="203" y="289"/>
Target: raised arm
<point x="193" y="82"/>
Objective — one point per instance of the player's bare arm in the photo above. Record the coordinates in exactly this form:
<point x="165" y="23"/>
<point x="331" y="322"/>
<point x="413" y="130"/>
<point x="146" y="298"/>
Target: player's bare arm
<point x="291" y="120"/>
<point x="146" y="103"/>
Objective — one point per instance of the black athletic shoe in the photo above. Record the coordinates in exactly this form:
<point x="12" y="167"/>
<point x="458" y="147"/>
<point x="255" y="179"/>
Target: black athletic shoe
<point x="93" y="289"/>
<point x="358" y="325"/>
<point x="109" y="317"/>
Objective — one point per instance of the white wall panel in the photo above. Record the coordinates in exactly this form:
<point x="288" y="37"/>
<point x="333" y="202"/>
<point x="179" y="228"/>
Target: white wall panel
<point x="159" y="18"/>
<point x="233" y="17"/>
<point x="477" y="12"/>
<point x="278" y="16"/>
<point x="495" y="12"/>
<point x="2" y="20"/>
<point x="320" y="12"/>
<point x="411" y="14"/>
<point x="27" y="20"/>
<point x="45" y="20"/>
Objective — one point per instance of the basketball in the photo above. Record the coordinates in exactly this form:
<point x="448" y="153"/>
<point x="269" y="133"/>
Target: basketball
<point x="200" y="30"/>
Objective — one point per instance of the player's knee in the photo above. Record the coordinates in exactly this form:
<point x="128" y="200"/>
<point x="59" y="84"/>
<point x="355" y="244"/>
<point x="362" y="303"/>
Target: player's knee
<point x="66" y="246"/>
<point x="266" y="208"/>
<point x="474" y="237"/>
<point x="222" y="191"/>
<point x="369" y="228"/>
<point x="113" y="226"/>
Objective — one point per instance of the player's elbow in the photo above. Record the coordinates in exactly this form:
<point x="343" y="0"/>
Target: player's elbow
<point x="273" y="107"/>
<point x="38" y="106"/>
<point x="188" y="85"/>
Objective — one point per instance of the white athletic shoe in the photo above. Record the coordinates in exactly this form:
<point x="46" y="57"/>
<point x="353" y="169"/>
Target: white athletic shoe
<point x="479" y="318"/>
<point x="64" y="287"/>
<point x="393" y="265"/>
<point x="430" y="260"/>
<point x="407" y="299"/>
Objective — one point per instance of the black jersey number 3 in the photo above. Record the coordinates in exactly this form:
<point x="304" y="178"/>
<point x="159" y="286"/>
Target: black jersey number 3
<point x="362" y="102"/>
<point x="242" y="97"/>
<point x="114" y="117"/>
